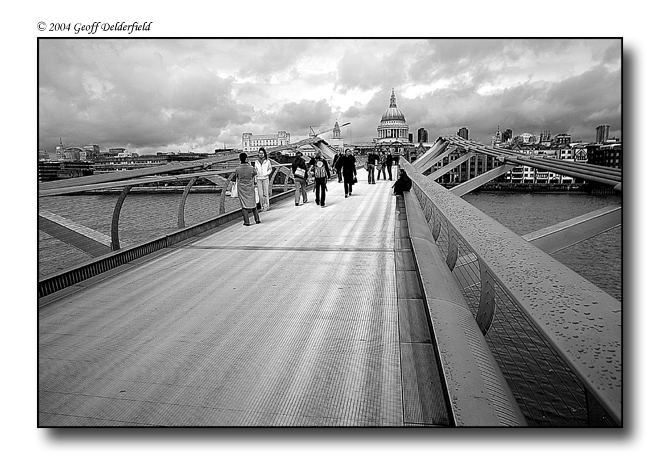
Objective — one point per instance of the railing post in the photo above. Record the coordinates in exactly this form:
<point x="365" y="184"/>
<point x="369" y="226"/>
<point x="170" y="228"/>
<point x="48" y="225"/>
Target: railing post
<point x="182" y="205"/>
<point x="452" y="248"/>
<point x="486" y="311"/>
<point x="114" y="245"/>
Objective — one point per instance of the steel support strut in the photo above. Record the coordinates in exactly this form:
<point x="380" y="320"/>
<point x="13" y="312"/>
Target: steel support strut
<point x="115" y="218"/>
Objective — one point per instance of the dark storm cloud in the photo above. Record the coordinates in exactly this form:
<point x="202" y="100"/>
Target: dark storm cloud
<point x="298" y="117"/>
<point x="268" y="57"/>
<point x="450" y="58"/>
<point x="184" y="93"/>
<point x="361" y="69"/>
<point x="133" y="97"/>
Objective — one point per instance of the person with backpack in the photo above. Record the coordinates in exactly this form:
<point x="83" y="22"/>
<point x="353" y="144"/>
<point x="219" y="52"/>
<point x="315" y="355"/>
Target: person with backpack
<point x="321" y="173"/>
<point x="299" y="170"/>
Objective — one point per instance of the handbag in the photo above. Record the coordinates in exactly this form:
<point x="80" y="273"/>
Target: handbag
<point x="234" y="190"/>
<point x="256" y="194"/>
<point x="299" y="172"/>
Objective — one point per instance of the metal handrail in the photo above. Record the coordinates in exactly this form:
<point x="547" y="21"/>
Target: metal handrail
<point x="579" y="321"/>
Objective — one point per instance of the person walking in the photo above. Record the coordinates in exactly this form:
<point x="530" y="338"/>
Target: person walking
<point x="264" y="169"/>
<point x="321" y="174"/>
<point x="388" y="162"/>
<point x="245" y="174"/>
<point x="349" y="170"/>
<point x="299" y="170"/>
<point x="381" y="166"/>
<point x="337" y="161"/>
<point x="372" y="160"/>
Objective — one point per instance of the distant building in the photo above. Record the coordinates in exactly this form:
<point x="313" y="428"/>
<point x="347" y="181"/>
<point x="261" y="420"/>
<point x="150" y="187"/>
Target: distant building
<point x="422" y="135"/>
<point x="496" y="140"/>
<point x="507" y="135"/>
<point x="610" y="154"/>
<point x="252" y="142"/>
<point x="116" y="151"/>
<point x="545" y="138"/>
<point x="393" y="126"/>
<point x="336" y="140"/>
<point x="464" y="133"/>
<point x="562" y="139"/>
<point x="92" y="150"/>
<point x="59" y="150"/>
<point x="602" y="133"/>
<point x="525" y="138"/>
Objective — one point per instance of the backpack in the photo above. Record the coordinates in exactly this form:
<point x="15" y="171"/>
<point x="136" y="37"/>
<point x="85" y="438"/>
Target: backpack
<point x="319" y="169"/>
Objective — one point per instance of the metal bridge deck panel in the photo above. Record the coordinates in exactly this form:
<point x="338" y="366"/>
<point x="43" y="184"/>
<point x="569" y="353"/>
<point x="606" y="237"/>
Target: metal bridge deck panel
<point x="292" y="322"/>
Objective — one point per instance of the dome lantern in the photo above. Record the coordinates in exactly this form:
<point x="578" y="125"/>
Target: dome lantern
<point x="393" y="113"/>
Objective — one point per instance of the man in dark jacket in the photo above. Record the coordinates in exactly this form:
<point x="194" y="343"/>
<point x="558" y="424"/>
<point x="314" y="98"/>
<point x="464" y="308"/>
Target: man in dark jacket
<point x="389" y="161"/>
<point x="372" y="160"/>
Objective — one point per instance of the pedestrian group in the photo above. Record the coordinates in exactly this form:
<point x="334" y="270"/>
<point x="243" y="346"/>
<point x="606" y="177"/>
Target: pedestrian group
<point x="344" y="164"/>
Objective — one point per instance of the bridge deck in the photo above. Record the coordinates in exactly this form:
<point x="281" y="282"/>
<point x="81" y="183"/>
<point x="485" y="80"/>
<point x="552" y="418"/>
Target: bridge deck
<point x="297" y="321"/>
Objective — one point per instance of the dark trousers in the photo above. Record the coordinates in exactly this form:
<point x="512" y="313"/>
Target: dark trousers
<point x="246" y="212"/>
<point x="319" y="188"/>
<point x="348" y="186"/>
<point x="389" y="171"/>
<point x="370" y="169"/>
<point x="382" y="170"/>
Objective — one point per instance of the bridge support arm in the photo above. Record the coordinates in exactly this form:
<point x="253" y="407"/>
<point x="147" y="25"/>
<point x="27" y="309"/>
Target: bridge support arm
<point x="436" y="159"/>
<point x="474" y="183"/>
<point x="87" y="240"/>
<point x="438" y="147"/>
<point x="115" y="218"/>
<point x="182" y="205"/>
<point x="555" y="238"/>
<point x="448" y="167"/>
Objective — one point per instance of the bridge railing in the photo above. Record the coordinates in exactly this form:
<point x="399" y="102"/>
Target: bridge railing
<point x="555" y="335"/>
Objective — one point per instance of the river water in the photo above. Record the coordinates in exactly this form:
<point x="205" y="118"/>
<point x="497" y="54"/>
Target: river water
<point x="146" y="216"/>
<point x="597" y="259"/>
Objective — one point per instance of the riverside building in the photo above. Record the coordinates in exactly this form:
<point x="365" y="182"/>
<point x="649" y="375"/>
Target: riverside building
<point x="252" y="142"/>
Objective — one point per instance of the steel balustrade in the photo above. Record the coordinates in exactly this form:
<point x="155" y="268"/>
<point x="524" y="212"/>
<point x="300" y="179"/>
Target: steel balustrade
<point x="567" y="331"/>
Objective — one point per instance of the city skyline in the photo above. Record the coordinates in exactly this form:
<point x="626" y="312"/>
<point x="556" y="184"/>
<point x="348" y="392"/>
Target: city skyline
<point x="202" y="94"/>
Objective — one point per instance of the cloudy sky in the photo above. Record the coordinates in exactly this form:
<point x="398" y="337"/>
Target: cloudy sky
<point x="194" y="94"/>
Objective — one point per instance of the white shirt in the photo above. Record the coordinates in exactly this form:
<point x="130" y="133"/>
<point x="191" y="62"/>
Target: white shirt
<point x="263" y="169"/>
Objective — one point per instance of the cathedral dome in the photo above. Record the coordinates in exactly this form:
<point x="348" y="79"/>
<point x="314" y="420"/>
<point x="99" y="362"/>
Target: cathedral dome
<point x="393" y="113"/>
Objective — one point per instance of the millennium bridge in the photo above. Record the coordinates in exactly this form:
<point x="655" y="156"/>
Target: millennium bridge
<point x="417" y="310"/>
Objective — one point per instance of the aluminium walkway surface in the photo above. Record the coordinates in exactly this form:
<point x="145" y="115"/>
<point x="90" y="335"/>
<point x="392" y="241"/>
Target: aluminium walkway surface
<point x="312" y="318"/>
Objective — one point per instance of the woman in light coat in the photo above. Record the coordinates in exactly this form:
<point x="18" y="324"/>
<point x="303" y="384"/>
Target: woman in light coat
<point x="264" y="168"/>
